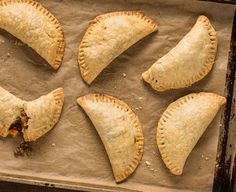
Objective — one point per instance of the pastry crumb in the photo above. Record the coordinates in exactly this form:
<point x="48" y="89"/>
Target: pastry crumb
<point x="138" y="108"/>
<point x="200" y="167"/>
<point x="2" y="41"/>
<point x="8" y="54"/>
<point x="124" y="75"/>
<point x="53" y="144"/>
<point x="205" y="157"/>
<point x="140" y="98"/>
<point x="154" y="153"/>
<point x="18" y="43"/>
<point x="147" y="163"/>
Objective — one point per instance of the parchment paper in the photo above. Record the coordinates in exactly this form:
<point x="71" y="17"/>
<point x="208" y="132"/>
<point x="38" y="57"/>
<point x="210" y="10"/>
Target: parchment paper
<point x="78" y="155"/>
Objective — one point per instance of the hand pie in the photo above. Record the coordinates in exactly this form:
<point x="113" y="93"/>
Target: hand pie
<point x="188" y="62"/>
<point x="107" y="37"/>
<point x="119" y="129"/>
<point x="30" y="22"/>
<point x="182" y="124"/>
<point x="34" y="118"/>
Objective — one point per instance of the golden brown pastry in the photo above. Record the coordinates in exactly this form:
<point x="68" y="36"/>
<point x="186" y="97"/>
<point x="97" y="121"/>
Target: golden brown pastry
<point x="181" y="126"/>
<point x="188" y="62"/>
<point x="30" y="22"/>
<point x="31" y="118"/>
<point x="107" y="37"/>
<point x="119" y="129"/>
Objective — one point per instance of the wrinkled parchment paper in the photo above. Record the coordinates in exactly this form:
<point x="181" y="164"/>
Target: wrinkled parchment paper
<point x="72" y="151"/>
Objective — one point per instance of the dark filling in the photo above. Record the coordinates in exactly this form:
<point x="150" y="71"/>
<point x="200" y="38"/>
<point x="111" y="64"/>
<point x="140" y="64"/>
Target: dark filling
<point x="19" y="124"/>
<point x="23" y="150"/>
<point x="16" y="129"/>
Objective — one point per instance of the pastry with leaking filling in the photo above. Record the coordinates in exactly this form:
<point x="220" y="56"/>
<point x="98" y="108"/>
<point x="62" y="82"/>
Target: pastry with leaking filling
<point x="32" y="119"/>
<point x="188" y="62"/>
<point x="119" y="129"/>
<point x="107" y="37"/>
<point x="30" y="22"/>
<point x="182" y="124"/>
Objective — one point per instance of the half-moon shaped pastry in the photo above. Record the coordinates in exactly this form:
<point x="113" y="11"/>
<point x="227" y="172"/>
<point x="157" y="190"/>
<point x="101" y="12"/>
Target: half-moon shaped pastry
<point x="119" y="129"/>
<point x="34" y="118"/>
<point x="9" y="110"/>
<point x="30" y="22"/>
<point x="107" y="37"/>
<point x="188" y="62"/>
<point x="43" y="114"/>
<point x="181" y="126"/>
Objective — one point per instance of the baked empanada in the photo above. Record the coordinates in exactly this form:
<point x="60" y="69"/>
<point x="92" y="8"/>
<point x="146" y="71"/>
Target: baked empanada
<point x="31" y="118"/>
<point x="30" y="22"/>
<point x="119" y="129"/>
<point x="188" y="62"/>
<point x="107" y="37"/>
<point x="181" y="126"/>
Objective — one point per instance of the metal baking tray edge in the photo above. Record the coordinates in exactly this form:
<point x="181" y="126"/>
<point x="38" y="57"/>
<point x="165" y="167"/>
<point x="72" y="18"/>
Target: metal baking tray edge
<point x="226" y="160"/>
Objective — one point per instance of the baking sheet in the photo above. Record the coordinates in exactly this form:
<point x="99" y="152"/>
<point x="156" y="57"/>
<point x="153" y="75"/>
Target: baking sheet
<point x="78" y="156"/>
